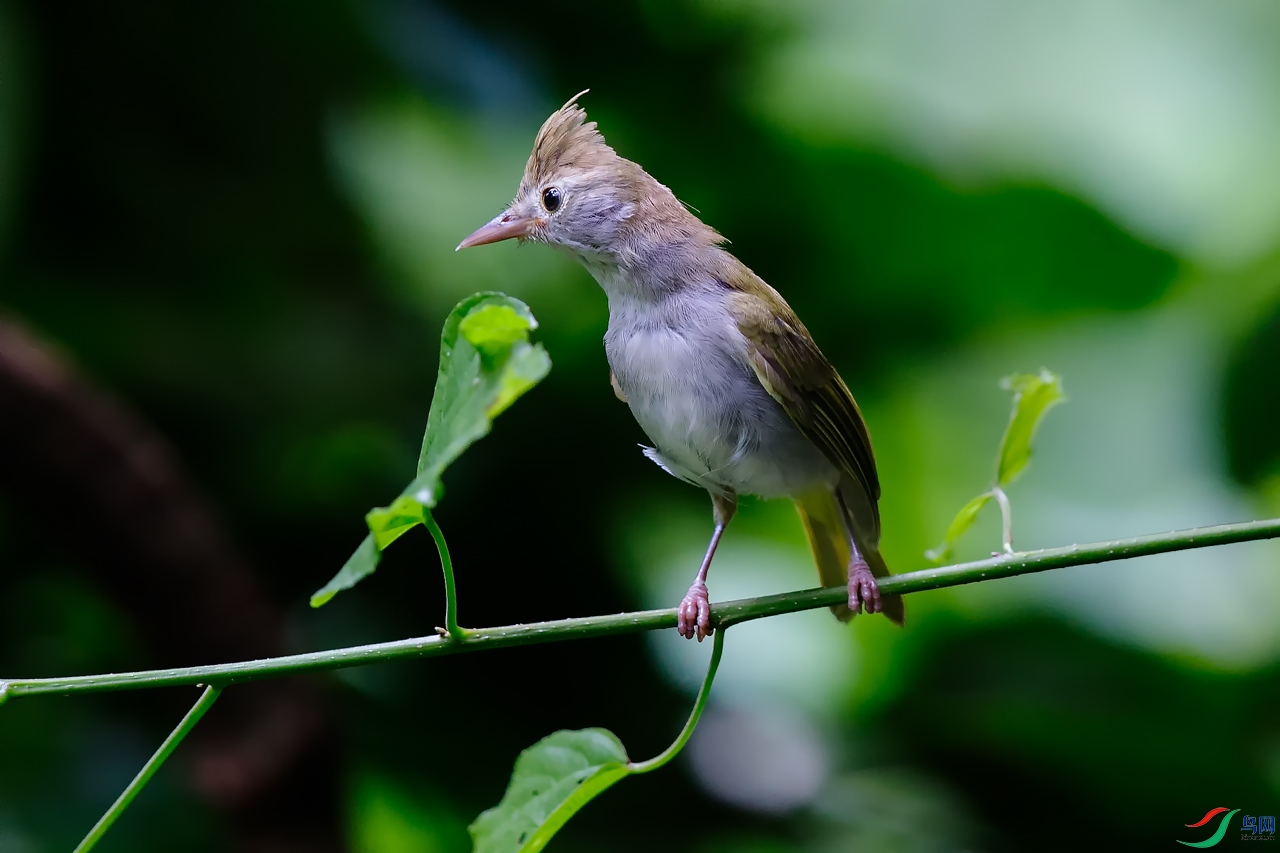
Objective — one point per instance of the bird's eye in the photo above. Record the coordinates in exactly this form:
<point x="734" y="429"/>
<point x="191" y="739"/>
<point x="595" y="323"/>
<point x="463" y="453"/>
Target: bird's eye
<point x="551" y="199"/>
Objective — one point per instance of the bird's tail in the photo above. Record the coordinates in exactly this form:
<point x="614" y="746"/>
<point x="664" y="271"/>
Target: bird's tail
<point x="828" y="540"/>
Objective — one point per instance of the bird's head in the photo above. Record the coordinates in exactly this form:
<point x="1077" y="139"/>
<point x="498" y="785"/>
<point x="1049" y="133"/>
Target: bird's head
<point x="577" y="194"/>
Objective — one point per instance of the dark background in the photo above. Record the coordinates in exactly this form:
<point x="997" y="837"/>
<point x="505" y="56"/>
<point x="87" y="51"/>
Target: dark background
<point x="226" y="237"/>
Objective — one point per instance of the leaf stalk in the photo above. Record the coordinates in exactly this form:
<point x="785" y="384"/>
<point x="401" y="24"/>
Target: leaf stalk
<point x="1006" y="518"/>
<point x="450" y="589"/>
<point x="699" y="704"/>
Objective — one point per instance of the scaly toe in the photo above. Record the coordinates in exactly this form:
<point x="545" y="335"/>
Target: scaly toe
<point x="704" y="619"/>
<point x="855" y="601"/>
<point x="684" y="622"/>
<point x="870" y="595"/>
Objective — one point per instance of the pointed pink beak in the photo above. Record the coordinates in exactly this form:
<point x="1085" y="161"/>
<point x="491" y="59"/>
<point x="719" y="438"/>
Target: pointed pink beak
<point x="502" y="227"/>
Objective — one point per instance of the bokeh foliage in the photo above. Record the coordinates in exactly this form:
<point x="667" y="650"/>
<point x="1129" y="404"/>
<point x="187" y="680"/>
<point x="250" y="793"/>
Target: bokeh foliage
<point x="238" y="221"/>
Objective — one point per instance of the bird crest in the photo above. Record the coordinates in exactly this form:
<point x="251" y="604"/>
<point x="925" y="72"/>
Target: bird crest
<point x="567" y="140"/>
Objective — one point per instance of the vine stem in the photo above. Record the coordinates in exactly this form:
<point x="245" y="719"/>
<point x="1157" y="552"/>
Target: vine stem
<point x="672" y="751"/>
<point x="149" y="769"/>
<point x="446" y="564"/>
<point x="723" y="615"/>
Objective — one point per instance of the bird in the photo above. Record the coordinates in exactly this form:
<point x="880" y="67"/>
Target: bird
<point x="717" y="369"/>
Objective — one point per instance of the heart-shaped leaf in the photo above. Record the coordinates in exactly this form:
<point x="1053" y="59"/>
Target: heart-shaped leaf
<point x="486" y="363"/>
<point x="563" y="772"/>
<point x="552" y="780"/>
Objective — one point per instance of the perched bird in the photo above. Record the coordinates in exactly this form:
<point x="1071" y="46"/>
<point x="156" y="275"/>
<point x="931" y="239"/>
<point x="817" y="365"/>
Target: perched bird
<point x="715" y="366"/>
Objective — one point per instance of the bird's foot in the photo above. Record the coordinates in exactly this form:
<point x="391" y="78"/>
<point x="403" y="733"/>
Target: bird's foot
<point x="695" y="613"/>
<point x="864" y="592"/>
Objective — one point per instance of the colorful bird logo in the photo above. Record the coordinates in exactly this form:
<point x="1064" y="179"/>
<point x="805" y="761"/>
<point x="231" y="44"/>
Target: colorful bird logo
<point x="1218" y="833"/>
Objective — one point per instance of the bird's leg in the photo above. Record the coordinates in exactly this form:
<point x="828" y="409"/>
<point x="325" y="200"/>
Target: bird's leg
<point x="695" y="609"/>
<point x="864" y="592"/>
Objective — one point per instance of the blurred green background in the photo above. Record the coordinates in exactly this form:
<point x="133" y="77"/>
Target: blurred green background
<point x="226" y="248"/>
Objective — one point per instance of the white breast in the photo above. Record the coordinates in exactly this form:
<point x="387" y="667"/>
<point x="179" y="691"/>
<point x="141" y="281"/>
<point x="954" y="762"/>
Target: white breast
<point x="681" y="363"/>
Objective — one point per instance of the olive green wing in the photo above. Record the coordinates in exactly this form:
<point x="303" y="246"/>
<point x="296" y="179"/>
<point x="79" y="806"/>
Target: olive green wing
<point x="795" y="373"/>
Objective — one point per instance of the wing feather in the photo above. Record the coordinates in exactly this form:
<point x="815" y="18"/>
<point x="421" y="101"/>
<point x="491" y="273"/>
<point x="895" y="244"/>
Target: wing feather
<point x="794" y="372"/>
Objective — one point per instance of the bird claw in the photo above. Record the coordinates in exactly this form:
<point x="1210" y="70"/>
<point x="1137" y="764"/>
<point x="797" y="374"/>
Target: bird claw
<point x="694" y="618"/>
<point x="864" y="592"/>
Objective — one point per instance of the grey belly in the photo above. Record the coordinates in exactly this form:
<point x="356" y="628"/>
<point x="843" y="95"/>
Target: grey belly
<point x="712" y="423"/>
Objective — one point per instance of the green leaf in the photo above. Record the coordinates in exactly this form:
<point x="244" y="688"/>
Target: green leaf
<point x="959" y="525"/>
<point x="1033" y="396"/>
<point x="486" y="363"/>
<point x="493" y="329"/>
<point x="552" y="780"/>
<point x="387" y="524"/>
<point x="561" y="773"/>
<point x="359" y="565"/>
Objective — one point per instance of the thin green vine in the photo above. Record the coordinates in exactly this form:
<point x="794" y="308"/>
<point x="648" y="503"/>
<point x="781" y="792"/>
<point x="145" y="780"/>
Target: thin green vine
<point x="687" y="732"/>
<point x="723" y="615"/>
<point x="149" y="769"/>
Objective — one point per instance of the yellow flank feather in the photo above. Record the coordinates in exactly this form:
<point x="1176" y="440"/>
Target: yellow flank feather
<point x="820" y="515"/>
